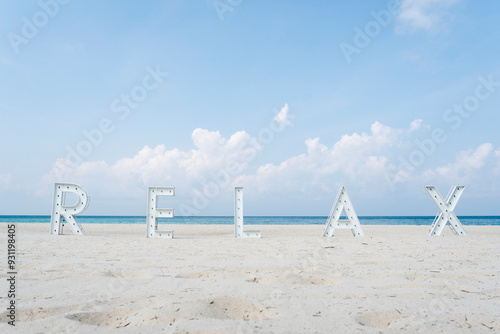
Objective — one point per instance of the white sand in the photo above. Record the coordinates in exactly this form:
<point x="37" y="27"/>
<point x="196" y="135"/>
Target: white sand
<point x="290" y="281"/>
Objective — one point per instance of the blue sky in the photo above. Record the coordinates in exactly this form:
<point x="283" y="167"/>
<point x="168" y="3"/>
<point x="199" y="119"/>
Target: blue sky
<point x="288" y="99"/>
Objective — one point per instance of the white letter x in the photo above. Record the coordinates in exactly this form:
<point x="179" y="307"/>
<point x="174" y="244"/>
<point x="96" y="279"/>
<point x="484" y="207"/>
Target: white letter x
<point x="446" y="208"/>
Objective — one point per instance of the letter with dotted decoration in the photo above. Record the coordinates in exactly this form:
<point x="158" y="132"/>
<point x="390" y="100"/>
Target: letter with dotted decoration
<point x="446" y="208"/>
<point x="153" y="213"/>
<point x="343" y="203"/>
<point x="68" y="212"/>
<point x="238" y="217"/>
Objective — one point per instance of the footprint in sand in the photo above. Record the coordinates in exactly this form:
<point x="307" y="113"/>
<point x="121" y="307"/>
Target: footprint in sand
<point x="217" y="308"/>
<point x="381" y="319"/>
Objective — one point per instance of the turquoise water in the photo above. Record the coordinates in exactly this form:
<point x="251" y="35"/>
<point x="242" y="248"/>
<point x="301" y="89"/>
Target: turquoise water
<point x="250" y="220"/>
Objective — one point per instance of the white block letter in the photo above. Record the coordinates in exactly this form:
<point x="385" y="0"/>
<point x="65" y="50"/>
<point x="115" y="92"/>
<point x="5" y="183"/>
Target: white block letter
<point x="343" y="202"/>
<point x="154" y="213"/>
<point x="59" y="208"/>
<point x="238" y="216"/>
<point x="446" y="208"/>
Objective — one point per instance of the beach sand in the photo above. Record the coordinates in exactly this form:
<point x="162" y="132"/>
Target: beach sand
<point x="394" y="279"/>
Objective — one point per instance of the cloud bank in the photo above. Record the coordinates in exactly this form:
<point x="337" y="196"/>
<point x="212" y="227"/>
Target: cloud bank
<point x="215" y="164"/>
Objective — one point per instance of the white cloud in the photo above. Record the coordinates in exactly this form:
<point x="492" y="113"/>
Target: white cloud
<point x="282" y="117"/>
<point x="415" y="125"/>
<point x="364" y="161"/>
<point x="357" y="158"/>
<point x="467" y="163"/>
<point x="361" y="161"/>
<point x="212" y="154"/>
<point x="422" y="14"/>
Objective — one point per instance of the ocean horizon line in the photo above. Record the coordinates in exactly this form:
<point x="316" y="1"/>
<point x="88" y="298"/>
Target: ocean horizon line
<point x="251" y="220"/>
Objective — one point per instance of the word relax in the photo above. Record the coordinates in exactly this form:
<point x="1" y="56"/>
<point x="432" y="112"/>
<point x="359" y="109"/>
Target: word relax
<point x="342" y="207"/>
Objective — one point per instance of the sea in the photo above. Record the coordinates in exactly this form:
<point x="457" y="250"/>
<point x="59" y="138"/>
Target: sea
<point x="257" y="220"/>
